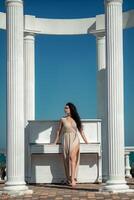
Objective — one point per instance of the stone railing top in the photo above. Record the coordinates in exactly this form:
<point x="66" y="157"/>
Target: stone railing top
<point x="83" y="120"/>
<point x="56" y="148"/>
<point x="129" y="149"/>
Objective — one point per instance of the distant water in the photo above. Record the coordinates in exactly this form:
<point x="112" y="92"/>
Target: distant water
<point x="131" y="157"/>
<point x="2" y="159"/>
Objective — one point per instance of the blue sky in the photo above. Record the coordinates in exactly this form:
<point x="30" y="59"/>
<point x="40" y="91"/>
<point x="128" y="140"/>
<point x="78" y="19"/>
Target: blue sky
<point x="66" y="65"/>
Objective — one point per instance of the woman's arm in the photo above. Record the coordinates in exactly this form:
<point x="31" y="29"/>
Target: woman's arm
<point x="58" y="131"/>
<point x="83" y="136"/>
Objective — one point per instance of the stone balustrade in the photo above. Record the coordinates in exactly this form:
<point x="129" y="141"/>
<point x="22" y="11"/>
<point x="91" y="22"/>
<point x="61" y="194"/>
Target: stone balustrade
<point x="44" y="161"/>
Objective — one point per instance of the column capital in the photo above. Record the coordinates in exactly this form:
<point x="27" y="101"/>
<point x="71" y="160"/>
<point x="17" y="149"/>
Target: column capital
<point x="14" y="1"/>
<point x="29" y="36"/>
<point x="113" y="1"/>
<point x="98" y="33"/>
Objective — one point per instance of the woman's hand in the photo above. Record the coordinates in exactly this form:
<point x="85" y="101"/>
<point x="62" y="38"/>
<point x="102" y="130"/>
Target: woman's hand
<point x="83" y="136"/>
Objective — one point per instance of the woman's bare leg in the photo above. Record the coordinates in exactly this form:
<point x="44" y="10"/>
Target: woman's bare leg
<point x="73" y="158"/>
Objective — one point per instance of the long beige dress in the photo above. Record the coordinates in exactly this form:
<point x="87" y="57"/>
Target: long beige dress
<point x="69" y="142"/>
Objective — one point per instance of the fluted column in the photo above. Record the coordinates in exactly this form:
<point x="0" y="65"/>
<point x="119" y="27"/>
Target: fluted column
<point x="29" y="94"/>
<point x="101" y="99"/>
<point x="29" y="76"/>
<point x="15" y="96"/>
<point x="127" y="165"/>
<point x="115" y="96"/>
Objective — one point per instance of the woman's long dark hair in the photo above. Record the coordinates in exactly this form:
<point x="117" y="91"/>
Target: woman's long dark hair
<point x="75" y="115"/>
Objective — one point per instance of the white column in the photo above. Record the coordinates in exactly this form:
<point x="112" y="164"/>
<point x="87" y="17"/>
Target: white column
<point x="15" y="97"/>
<point x="115" y="96"/>
<point x="127" y="165"/>
<point x="29" y="94"/>
<point x="29" y="76"/>
<point x="101" y="99"/>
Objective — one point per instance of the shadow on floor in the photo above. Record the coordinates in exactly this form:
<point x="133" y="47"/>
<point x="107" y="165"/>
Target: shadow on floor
<point x="79" y="187"/>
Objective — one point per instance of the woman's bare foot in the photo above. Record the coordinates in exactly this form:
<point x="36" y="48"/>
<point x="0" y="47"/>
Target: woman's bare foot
<point x="75" y="180"/>
<point x="73" y="184"/>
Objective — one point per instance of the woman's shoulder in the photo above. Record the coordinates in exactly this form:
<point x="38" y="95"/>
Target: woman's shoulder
<point x="63" y="118"/>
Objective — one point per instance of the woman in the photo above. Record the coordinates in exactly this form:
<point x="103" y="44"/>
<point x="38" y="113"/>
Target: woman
<point x="71" y="143"/>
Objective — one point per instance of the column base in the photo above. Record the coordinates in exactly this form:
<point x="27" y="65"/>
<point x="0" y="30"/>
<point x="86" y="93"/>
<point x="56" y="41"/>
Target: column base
<point x="116" y="186"/>
<point x="16" y="190"/>
<point x="15" y="193"/>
